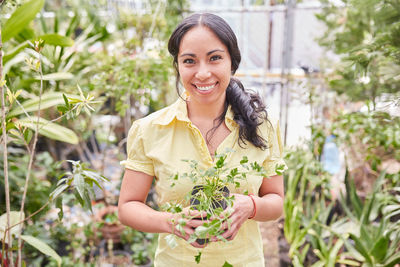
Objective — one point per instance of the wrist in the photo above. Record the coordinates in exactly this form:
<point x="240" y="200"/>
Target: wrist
<point x="254" y="211"/>
<point x="169" y="223"/>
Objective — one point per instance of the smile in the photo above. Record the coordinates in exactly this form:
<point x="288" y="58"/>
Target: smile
<point x="205" y="88"/>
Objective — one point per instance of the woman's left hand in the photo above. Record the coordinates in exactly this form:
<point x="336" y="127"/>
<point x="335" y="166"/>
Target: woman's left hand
<point x="242" y="209"/>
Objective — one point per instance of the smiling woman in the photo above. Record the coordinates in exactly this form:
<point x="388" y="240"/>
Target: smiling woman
<point x="205" y="69"/>
<point x="215" y="113"/>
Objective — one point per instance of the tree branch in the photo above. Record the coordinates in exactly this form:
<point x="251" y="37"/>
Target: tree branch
<point x="30" y="164"/>
<point x="5" y="158"/>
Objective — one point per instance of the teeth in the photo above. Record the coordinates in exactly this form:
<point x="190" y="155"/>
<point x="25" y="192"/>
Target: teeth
<point x="205" y="88"/>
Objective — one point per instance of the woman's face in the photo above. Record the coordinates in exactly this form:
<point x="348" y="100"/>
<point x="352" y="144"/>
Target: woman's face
<point x="204" y="66"/>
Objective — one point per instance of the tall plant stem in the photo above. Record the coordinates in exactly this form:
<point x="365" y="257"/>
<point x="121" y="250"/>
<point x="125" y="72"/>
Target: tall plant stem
<point x="5" y="158"/>
<point x="32" y="155"/>
<point x="30" y="216"/>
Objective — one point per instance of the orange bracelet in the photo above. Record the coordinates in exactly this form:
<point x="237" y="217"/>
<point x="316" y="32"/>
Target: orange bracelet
<point x="255" y="207"/>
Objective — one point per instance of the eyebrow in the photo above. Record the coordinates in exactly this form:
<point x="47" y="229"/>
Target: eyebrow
<point x="208" y="53"/>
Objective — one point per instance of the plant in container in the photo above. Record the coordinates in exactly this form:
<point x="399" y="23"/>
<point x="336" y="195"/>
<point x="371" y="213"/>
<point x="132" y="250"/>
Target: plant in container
<point x="211" y="196"/>
<point x="108" y="223"/>
<point x="112" y="257"/>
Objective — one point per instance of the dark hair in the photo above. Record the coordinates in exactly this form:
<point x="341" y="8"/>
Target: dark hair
<point x="248" y="108"/>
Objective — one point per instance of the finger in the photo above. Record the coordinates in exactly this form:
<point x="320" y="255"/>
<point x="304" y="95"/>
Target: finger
<point x="196" y="223"/>
<point x="197" y="245"/>
<point x="185" y="234"/>
<point x="230" y="233"/>
<point x="226" y="224"/>
<point x="197" y="214"/>
<point x="214" y="239"/>
<point x="233" y="235"/>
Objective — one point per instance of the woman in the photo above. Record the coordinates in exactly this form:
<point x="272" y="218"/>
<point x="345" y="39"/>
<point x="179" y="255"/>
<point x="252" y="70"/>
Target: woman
<point x="214" y="113"/>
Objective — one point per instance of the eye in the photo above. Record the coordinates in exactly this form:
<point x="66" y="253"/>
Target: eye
<point x="216" y="57"/>
<point x="188" y="61"/>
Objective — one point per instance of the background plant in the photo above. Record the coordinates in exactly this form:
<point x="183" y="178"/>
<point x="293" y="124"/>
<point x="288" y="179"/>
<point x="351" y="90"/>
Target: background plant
<point x="54" y="67"/>
<point x="356" y="228"/>
<point x="365" y="36"/>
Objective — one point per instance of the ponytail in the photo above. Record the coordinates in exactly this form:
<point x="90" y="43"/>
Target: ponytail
<point x="249" y="113"/>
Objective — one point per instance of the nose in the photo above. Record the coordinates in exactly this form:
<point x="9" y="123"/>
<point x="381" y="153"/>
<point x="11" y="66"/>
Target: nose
<point x="203" y="72"/>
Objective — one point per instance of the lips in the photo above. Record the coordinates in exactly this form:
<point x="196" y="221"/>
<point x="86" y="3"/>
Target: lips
<point x="205" y="87"/>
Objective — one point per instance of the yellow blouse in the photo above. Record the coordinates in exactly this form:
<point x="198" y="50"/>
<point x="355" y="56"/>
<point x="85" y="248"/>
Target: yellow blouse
<point x="158" y="143"/>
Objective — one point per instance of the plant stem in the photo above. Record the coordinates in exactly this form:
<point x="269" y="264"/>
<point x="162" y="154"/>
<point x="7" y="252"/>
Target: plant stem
<point x="153" y="21"/>
<point x="28" y="174"/>
<point x="30" y="216"/>
<point x="5" y="158"/>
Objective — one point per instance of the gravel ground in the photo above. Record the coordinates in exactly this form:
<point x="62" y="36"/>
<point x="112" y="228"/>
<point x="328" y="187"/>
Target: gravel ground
<point x="270" y="234"/>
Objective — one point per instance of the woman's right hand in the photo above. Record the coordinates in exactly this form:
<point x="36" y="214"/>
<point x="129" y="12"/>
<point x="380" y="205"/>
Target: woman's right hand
<point x="191" y="220"/>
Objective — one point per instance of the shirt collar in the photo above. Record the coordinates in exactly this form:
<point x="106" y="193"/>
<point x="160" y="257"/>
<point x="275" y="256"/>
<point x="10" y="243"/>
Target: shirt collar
<point x="177" y="110"/>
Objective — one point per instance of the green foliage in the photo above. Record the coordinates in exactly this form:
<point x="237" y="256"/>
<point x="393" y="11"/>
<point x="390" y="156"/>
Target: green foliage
<point x="45" y="58"/>
<point x="375" y="245"/>
<point x="81" y="179"/>
<point x="43" y="247"/>
<point x="355" y="230"/>
<point x="227" y="264"/>
<point x="365" y="35"/>
<point x="47" y="100"/>
<point x="48" y="129"/>
<point x="142" y="245"/>
<point x="197" y="258"/>
<point x="314" y="230"/>
<point x="303" y="209"/>
<point x="40" y="183"/>
<point x="21" y="18"/>
<point x="210" y="195"/>
<point x="15" y="217"/>
<point x="378" y="134"/>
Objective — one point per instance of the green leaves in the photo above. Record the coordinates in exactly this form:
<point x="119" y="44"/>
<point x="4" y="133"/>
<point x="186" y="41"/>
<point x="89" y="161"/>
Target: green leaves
<point x="21" y="18"/>
<point x="82" y="180"/>
<point x="56" y="39"/>
<point x="379" y="249"/>
<point x="15" y="217"/>
<point x="227" y="264"/>
<point x="42" y="247"/>
<point x="280" y="168"/>
<point x="49" y="129"/>
<point x="56" y="76"/>
<point x="48" y="100"/>
<point x="220" y="162"/>
<point x="83" y="102"/>
<point x="244" y="160"/>
<point x="171" y="240"/>
<point x="197" y="257"/>
<point x="365" y="36"/>
<point x="211" y="196"/>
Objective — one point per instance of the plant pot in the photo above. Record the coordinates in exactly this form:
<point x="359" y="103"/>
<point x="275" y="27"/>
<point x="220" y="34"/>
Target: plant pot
<point x="194" y="202"/>
<point x="109" y="230"/>
<point x="118" y="258"/>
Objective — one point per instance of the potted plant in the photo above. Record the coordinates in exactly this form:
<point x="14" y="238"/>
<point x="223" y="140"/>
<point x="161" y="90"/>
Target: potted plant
<point x="113" y="257"/>
<point x="211" y="196"/>
<point x="108" y="223"/>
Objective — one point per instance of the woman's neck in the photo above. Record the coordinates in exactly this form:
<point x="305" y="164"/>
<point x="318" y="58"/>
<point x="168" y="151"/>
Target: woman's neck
<point x="205" y="112"/>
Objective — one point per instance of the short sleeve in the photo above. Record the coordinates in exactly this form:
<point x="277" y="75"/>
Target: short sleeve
<point x="136" y="155"/>
<point x="275" y="150"/>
